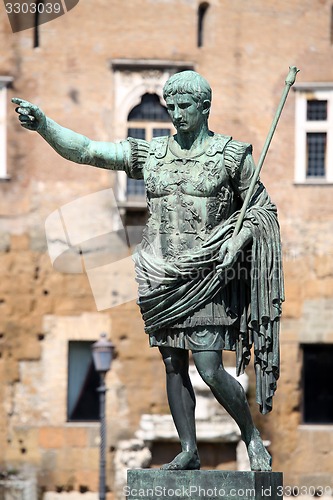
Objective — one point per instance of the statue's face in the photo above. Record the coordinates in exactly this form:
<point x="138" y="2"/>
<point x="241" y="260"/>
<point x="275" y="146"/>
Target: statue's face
<point x="186" y="114"/>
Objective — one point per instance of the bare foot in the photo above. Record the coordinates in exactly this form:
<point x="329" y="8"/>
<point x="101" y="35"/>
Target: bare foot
<point x="260" y="459"/>
<point x="186" y="460"/>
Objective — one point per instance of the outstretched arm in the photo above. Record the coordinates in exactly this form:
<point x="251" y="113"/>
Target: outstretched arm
<point x="72" y="146"/>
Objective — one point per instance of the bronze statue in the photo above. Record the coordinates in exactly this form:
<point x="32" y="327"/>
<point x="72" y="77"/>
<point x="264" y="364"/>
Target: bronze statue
<point x="202" y="287"/>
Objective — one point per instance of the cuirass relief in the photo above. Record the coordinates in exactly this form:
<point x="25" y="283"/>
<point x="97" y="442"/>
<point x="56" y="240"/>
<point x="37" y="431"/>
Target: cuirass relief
<point x="187" y="198"/>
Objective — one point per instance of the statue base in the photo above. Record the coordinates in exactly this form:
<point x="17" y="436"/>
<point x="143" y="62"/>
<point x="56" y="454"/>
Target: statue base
<point x="156" y="484"/>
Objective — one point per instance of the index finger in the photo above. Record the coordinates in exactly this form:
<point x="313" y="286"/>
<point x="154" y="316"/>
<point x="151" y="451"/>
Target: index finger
<point x="21" y="102"/>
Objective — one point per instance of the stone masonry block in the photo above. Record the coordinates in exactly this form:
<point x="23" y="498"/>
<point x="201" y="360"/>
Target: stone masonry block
<point x="76" y="437"/>
<point x="51" y="437"/>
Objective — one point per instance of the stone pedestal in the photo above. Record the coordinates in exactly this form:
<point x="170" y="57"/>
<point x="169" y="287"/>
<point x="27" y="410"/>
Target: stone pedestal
<point x="156" y="484"/>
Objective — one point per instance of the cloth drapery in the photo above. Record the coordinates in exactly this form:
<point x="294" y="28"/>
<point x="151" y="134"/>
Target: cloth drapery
<point x="172" y="290"/>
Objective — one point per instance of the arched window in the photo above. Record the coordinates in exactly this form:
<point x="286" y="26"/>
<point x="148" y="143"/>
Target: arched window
<point x="202" y="11"/>
<point x="146" y="120"/>
<point x="138" y="112"/>
<point x="149" y="109"/>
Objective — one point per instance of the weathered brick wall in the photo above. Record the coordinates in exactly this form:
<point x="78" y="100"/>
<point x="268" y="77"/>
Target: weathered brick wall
<point x="248" y="47"/>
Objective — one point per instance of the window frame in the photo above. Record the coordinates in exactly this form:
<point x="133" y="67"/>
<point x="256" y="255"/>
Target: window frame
<point x="138" y="202"/>
<point x="132" y="78"/>
<point x="71" y="418"/>
<point x="303" y="126"/>
<point x="309" y="348"/>
<point x="4" y="83"/>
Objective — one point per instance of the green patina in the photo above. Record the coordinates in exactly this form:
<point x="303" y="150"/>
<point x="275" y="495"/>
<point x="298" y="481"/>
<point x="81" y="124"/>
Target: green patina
<point x="203" y="286"/>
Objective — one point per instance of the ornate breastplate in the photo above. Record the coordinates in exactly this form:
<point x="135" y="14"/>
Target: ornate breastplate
<point x="187" y="197"/>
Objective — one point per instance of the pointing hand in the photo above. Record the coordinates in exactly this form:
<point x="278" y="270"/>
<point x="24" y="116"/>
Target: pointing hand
<point x="30" y="115"/>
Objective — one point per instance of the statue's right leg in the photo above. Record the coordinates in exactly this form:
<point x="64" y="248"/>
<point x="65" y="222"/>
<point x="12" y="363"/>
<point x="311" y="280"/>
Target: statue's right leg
<point x="182" y="405"/>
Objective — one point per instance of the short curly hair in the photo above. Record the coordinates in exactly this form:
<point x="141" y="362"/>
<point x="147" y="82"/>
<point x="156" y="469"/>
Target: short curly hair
<point x="188" y="82"/>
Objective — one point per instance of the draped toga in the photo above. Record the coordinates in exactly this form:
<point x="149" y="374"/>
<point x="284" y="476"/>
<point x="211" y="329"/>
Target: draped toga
<point x="185" y="301"/>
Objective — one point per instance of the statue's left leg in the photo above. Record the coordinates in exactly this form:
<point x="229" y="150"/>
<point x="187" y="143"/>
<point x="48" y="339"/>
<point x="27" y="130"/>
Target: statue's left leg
<point x="230" y="394"/>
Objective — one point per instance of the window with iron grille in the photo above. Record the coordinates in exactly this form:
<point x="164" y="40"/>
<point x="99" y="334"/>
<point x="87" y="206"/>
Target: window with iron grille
<point x="315" y="154"/>
<point x="314" y="135"/>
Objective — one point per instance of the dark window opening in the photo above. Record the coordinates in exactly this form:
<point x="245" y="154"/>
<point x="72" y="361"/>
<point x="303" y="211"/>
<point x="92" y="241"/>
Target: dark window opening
<point x="83" y="381"/>
<point x="150" y="109"/>
<point x="317" y="383"/>
<point x="316" y="110"/>
<point x="36" y="26"/>
<point x="138" y="218"/>
<point x="202" y="11"/>
<point x="316" y="154"/>
<point x="136" y="133"/>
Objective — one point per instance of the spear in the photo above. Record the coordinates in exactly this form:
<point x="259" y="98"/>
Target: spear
<point x="290" y="80"/>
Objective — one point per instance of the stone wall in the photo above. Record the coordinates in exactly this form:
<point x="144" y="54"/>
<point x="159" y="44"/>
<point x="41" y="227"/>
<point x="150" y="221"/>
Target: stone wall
<point x="247" y="49"/>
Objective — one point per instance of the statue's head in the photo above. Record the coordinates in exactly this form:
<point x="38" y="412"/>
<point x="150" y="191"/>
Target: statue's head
<point x="179" y="91"/>
<point x="188" y="82"/>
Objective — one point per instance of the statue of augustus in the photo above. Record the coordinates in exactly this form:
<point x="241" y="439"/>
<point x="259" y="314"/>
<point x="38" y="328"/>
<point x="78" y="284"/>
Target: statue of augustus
<point x="201" y="288"/>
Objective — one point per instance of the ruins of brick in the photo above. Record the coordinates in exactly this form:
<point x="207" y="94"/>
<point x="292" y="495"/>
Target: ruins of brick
<point x="246" y="51"/>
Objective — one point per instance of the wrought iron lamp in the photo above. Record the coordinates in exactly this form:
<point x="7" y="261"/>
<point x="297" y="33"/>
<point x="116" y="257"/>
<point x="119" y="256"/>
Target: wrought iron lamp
<point x="102" y="352"/>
